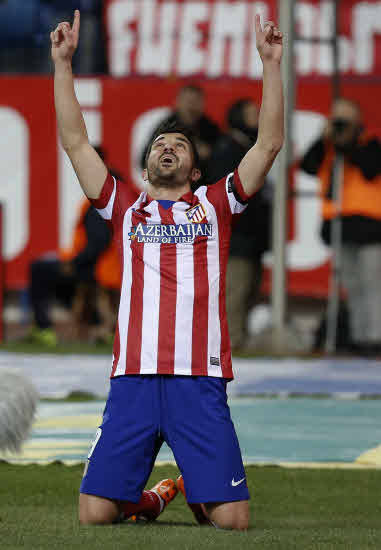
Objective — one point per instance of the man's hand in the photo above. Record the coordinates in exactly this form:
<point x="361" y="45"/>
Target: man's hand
<point x="65" y="39"/>
<point x="259" y="159"/>
<point x="269" y="41"/>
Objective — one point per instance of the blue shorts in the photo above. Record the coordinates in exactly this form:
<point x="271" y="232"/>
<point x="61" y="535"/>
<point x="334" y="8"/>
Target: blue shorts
<point x="189" y="413"/>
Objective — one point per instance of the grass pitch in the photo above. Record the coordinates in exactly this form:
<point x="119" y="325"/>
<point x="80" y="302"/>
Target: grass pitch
<point x="290" y="509"/>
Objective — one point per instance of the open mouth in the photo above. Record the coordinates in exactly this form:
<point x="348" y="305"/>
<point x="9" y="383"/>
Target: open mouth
<point x="168" y="159"/>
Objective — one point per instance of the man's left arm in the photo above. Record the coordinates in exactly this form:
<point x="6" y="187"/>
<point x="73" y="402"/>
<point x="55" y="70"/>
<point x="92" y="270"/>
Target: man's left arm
<point x="367" y="158"/>
<point x="259" y="159"/>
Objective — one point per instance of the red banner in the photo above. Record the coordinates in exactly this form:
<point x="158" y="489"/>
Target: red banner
<point x="216" y="38"/>
<point x="40" y="192"/>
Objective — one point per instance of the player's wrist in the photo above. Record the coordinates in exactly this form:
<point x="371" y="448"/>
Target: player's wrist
<point x="270" y="63"/>
<point x="62" y="62"/>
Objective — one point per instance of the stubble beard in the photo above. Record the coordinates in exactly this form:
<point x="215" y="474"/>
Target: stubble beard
<point x="163" y="178"/>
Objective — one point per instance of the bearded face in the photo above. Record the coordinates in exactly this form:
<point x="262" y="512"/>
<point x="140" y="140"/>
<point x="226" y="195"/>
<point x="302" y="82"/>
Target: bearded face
<point x="170" y="162"/>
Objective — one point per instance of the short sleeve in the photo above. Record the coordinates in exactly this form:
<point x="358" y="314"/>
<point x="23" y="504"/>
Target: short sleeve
<point x="104" y="204"/>
<point x="228" y="196"/>
<point x="115" y="198"/>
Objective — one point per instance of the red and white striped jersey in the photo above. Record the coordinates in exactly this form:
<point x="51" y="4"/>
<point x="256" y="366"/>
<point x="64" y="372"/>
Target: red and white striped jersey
<point x="172" y="317"/>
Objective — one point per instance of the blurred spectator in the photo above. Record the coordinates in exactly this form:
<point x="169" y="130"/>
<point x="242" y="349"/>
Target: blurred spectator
<point x="108" y="279"/>
<point x="359" y="210"/>
<point x="85" y="278"/>
<point x="25" y="27"/>
<point x="251" y="236"/>
<point x="69" y="276"/>
<point x="189" y="112"/>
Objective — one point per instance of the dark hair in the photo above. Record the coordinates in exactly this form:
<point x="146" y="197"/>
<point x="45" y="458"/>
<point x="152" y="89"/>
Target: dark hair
<point x="174" y="127"/>
<point x="191" y="88"/>
<point x="234" y="116"/>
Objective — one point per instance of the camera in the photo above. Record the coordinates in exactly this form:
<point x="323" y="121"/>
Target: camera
<point x="340" y="125"/>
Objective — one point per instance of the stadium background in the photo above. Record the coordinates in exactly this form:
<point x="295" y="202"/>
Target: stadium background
<point x="320" y="417"/>
<point x="153" y="48"/>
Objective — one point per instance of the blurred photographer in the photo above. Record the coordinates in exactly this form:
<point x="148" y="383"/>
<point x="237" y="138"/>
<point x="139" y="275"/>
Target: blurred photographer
<point x="356" y="202"/>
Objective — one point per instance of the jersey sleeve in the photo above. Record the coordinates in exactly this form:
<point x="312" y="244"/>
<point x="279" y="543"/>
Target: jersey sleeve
<point x="228" y="196"/>
<point x="115" y="198"/>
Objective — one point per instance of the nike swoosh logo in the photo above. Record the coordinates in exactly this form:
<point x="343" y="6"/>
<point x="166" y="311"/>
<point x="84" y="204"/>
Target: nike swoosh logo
<point x="235" y="483"/>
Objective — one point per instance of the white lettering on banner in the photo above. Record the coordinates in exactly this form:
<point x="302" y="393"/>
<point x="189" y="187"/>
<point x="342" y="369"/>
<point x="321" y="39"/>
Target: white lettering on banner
<point x="89" y="93"/>
<point x="156" y="29"/>
<point x="255" y="64"/>
<point x="305" y="15"/>
<point x="325" y="32"/>
<point x="120" y="15"/>
<point x="14" y="188"/>
<point x="191" y="56"/>
<point x="167" y="39"/>
<point x="366" y="22"/>
<point x="316" y="22"/>
<point x="228" y="26"/>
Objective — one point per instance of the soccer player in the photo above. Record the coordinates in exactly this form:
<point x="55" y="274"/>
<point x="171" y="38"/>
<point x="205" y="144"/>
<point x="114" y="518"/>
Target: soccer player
<point x="172" y="358"/>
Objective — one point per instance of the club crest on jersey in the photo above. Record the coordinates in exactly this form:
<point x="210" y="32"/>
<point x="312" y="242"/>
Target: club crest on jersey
<point x="196" y="214"/>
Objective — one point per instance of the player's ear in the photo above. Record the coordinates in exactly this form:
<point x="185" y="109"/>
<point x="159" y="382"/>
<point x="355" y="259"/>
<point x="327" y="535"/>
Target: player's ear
<point x="195" y="175"/>
<point x="145" y="174"/>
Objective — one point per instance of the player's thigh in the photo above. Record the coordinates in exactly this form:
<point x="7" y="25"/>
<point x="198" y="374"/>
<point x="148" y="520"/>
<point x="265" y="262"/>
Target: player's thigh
<point x="203" y="440"/>
<point x="94" y="510"/>
<point x="229" y="515"/>
<point x="124" y="450"/>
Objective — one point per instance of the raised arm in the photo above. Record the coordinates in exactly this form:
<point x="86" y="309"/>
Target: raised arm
<point x="87" y="164"/>
<point x="259" y="159"/>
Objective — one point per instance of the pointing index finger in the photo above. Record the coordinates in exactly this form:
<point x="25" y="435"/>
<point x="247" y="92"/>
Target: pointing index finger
<point x="76" y="22"/>
<point x="258" y="27"/>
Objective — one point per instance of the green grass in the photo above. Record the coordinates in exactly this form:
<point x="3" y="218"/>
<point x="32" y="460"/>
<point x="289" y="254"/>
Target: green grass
<point x="290" y="509"/>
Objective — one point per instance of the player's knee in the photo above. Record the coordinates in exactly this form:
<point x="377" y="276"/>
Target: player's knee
<point x="92" y="512"/>
<point x="240" y="523"/>
<point x="95" y="517"/>
<point x="237" y="523"/>
<point x="230" y="516"/>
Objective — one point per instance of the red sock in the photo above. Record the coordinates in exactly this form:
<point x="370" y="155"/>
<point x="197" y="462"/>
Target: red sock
<point x="149" y="506"/>
<point x="199" y="514"/>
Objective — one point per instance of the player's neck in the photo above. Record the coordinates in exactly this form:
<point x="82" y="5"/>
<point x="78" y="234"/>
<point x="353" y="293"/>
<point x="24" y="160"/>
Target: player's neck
<point x="165" y="193"/>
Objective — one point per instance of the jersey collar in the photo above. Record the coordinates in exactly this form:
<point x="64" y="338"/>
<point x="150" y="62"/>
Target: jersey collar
<point x="188" y="197"/>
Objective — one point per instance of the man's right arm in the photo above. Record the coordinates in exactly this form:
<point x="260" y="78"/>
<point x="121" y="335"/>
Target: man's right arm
<point x="89" y="167"/>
